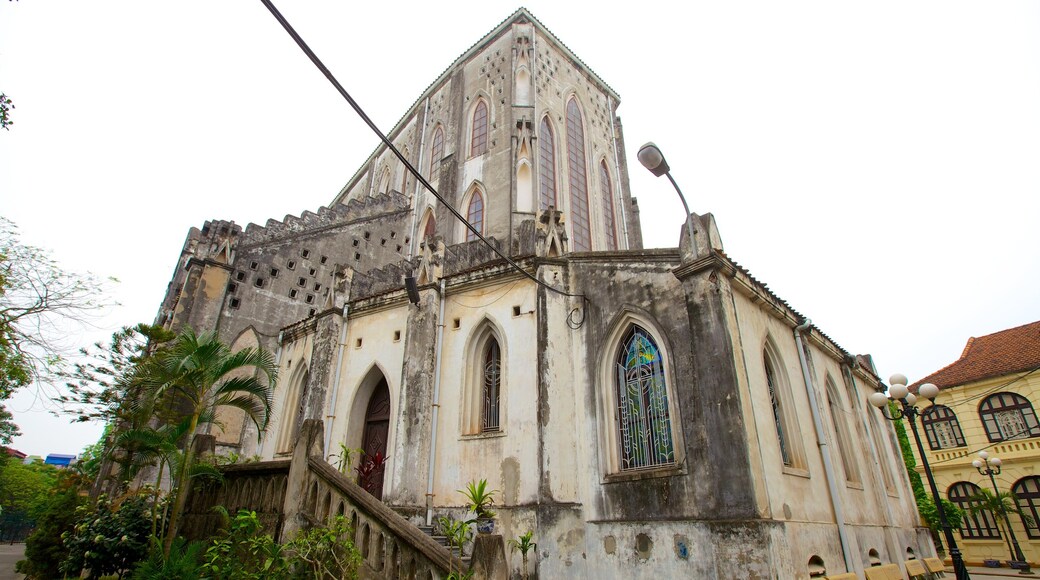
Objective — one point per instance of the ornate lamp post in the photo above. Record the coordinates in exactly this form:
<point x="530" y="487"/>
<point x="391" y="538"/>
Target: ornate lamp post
<point x="906" y="402"/>
<point x="990" y="466"/>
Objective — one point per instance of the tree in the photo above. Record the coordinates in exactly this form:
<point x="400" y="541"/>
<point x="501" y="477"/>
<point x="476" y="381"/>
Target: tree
<point x="26" y="488"/>
<point x="37" y="301"/>
<point x="197" y="375"/>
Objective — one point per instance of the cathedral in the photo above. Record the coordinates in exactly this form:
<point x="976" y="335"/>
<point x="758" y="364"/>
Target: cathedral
<point x="650" y="412"/>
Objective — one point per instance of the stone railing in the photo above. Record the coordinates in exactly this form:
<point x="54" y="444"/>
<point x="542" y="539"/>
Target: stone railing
<point x="293" y="495"/>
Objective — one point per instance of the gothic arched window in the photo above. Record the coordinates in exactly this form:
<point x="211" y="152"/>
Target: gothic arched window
<point x="1027" y="493"/>
<point x="291" y="410"/>
<point x="840" y="419"/>
<point x="436" y="152"/>
<point x="546" y="166"/>
<point x="942" y="428"/>
<point x="644" y="422"/>
<point x="978" y="525"/>
<point x="1008" y="416"/>
<point x="577" y="178"/>
<point x="607" y="203"/>
<point x="492" y="385"/>
<point x="475" y="215"/>
<point x="478" y="139"/>
<point x="430" y="229"/>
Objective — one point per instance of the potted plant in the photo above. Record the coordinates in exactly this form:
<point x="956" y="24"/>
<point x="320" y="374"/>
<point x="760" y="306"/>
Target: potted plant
<point x="479" y="500"/>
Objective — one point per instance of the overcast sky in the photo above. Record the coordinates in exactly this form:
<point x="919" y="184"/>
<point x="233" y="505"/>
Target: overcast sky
<point x="877" y="164"/>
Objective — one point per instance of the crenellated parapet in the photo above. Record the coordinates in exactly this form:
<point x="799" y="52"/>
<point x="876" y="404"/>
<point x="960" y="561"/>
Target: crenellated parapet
<point x="338" y="214"/>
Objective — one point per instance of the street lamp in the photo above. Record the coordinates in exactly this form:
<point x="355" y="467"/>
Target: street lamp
<point x="901" y="394"/>
<point x="652" y="158"/>
<point x="990" y="466"/>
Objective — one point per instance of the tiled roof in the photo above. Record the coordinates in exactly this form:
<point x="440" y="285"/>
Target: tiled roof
<point x="1002" y="353"/>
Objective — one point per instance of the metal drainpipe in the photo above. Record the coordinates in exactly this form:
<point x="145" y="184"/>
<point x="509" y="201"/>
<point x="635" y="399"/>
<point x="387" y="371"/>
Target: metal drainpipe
<point x="330" y="416"/>
<point x="821" y="437"/>
<point x="277" y="361"/>
<point x="436" y="408"/>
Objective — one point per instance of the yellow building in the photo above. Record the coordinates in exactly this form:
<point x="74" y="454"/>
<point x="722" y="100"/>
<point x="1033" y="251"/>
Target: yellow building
<point x="988" y="402"/>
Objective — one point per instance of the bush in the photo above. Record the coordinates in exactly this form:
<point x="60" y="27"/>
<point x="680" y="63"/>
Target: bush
<point x="325" y="552"/>
<point x="243" y="552"/>
<point x="43" y="549"/>
<point x="181" y="564"/>
<point x="109" y="539"/>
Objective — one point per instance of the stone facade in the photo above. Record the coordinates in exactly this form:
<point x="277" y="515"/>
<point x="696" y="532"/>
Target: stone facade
<point x="722" y="448"/>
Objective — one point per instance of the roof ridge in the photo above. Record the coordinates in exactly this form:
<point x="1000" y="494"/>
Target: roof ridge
<point x="967" y="347"/>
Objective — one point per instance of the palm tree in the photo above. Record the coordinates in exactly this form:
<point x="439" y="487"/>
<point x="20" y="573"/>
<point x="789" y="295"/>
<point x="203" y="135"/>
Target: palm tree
<point x="999" y="505"/>
<point x="196" y="375"/>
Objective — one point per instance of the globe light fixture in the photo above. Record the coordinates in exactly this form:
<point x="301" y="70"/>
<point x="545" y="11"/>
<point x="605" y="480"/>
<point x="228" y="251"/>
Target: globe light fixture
<point x="904" y="408"/>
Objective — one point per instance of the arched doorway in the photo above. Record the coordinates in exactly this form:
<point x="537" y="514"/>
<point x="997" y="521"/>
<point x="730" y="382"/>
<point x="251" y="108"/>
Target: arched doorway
<point x="377" y="429"/>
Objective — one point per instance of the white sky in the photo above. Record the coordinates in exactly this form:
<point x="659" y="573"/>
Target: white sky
<point x="875" y="163"/>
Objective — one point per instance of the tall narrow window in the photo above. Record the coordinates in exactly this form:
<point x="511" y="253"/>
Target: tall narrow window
<point x="981" y="524"/>
<point x="942" y="428"/>
<point x="430" y="229"/>
<point x="1008" y="416"/>
<point x="478" y="141"/>
<point x="1027" y="493"/>
<point x="643" y="419"/>
<point x="384" y="182"/>
<point x="578" y="179"/>
<point x="778" y="410"/>
<point x="492" y="385"/>
<point x="291" y="410"/>
<point x="475" y="215"/>
<point x="607" y="204"/>
<point x="840" y="419"/>
<point x="546" y="166"/>
<point x="436" y="153"/>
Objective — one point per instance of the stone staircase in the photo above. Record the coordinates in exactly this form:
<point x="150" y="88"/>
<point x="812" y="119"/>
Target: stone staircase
<point x="443" y="540"/>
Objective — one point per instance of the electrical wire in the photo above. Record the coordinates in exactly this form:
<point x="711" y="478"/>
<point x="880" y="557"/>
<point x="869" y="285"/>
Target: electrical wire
<point x="371" y="125"/>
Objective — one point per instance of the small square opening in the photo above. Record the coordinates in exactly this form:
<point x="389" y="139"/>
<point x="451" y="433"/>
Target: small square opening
<point x="274" y="272"/>
<point x="253" y="265"/>
<point x="456" y="323"/>
<point x="516" y="311"/>
<point x="397" y="336"/>
<point x="324" y="259"/>
<point x="291" y="264"/>
<point x="240" y="276"/>
<point x="357" y="343"/>
<point x="305" y="253"/>
<point x="310" y="299"/>
<point x="235" y="302"/>
<point x="293" y="293"/>
<point x="259" y="282"/>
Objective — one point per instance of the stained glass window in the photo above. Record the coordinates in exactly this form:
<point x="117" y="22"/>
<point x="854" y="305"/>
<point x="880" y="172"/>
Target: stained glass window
<point x="578" y="179"/>
<point x="644" y="423"/>
<point x="478" y="142"/>
<point x="607" y="203"/>
<point x="1008" y="416"/>
<point x="942" y="428"/>
<point x="492" y="385"/>
<point x="546" y="166"/>
<point x="475" y="215"/>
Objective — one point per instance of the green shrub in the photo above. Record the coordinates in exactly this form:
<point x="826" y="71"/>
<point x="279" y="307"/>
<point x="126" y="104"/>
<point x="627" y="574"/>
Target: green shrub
<point x="110" y="539"/>
<point x="43" y="548"/>
<point x="243" y="552"/>
<point x="182" y="563"/>
<point x="325" y="552"/>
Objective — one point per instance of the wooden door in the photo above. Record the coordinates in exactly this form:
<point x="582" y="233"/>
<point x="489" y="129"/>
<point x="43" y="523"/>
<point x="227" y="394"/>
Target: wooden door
<point x="377" y="428"/>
